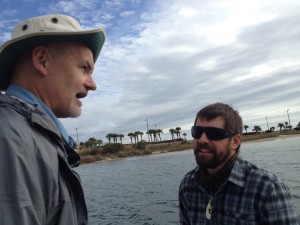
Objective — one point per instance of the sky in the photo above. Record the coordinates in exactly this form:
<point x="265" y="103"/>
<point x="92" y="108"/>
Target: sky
<point x="164" y="60"/>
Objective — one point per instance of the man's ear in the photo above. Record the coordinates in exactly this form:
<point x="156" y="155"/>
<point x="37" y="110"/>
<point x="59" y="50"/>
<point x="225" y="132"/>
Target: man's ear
<point x="236" y="141"/>
<point x="40" y="59"/>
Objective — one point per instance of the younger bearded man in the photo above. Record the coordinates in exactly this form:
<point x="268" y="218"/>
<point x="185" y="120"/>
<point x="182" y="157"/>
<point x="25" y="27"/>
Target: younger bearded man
<point x="223" y="188"/>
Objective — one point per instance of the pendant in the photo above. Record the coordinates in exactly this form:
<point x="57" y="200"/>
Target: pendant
<point x="209" y="208"/>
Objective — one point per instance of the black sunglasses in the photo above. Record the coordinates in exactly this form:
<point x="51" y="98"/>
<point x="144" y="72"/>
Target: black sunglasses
<point x="212" y="133"/>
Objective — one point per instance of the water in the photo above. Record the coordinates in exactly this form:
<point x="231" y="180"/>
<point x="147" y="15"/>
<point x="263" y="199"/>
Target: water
<point x="143" y="190"/>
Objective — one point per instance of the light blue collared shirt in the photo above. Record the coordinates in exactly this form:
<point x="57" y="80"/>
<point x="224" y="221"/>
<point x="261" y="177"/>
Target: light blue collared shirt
<point x="21" y="93"/>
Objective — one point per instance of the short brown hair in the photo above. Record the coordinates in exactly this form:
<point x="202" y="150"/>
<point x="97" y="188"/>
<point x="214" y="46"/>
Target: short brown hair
<point x="232" y="118"/>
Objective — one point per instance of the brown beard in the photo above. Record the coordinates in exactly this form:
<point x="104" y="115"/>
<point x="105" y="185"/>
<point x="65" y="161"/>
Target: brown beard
<point x="216" y="159"/>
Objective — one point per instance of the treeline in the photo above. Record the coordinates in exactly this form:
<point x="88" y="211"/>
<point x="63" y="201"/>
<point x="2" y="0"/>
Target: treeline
<point x="153" y="136"/>
<point x="282" y="127"/>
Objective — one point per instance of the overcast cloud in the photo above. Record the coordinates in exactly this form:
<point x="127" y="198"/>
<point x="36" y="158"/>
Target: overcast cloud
<point x="164" y="60"/>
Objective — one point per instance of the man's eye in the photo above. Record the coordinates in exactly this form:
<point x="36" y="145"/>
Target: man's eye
<point x="85" y="67"/>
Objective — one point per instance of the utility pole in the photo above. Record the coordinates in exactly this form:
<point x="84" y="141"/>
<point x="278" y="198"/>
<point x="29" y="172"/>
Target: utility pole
<point x="147" y="130"/>
<point x="287" y="111"/>
<point x="267" y="122"/>
<point x="147" y="123"/>
<point x="77" y="137"/>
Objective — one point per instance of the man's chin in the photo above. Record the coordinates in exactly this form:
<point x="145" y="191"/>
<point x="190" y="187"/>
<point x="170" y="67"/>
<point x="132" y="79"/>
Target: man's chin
<point x="204" y="163"/>
<point x="74" y="113"/>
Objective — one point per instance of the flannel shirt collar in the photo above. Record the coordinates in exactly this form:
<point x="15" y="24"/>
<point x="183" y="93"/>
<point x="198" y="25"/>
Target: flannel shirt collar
<point x="237" y="174"/>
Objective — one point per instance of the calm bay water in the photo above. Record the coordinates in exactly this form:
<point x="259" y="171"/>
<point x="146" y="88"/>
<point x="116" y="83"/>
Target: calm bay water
<point x="143" y="190"/>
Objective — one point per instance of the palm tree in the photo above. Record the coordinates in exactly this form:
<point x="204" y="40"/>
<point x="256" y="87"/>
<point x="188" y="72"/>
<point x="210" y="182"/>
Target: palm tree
<point x="109" y="136"/>
<point x="178" y="131"/>
<point x="100" y="142"/>
<point x="154" y="132"/>
<point x="184" y="134"/>
<point x="272" y="129"/>
<point x="141" y="134"/>
<point x="149" y="132"/>
<point x="286" y="124"/>
<point x="115" y="138"/>
<point x="297" y="126"/>
<point x="131" y="136"/>
<point x="91" y="142"/>
<point x="159" y="131"/>
<point x="121" y="136"/>
<point x="137" y="133"/>
<point x="280" y="125"/>
<point x="246" y="127"/>
<point x="257" y="129"/>
<point x="172" y="131"/>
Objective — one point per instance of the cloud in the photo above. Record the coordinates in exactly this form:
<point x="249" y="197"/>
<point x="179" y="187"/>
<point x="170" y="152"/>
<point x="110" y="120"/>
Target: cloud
<point x="126" y="14"/>
<point x="165" y="64"/>
<point x="164" y="60"/>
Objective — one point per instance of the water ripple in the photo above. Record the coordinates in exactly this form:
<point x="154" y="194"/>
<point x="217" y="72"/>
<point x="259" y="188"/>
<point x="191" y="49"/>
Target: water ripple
<point x="143" y="190"/>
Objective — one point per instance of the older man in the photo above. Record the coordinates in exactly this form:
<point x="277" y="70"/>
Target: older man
<point x="46" y="68"/>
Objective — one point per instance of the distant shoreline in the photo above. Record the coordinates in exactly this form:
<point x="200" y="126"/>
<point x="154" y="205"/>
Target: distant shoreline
<point x="129" y="150"/>
<point x="275" y="138"/>
<point x="269" y="137"/>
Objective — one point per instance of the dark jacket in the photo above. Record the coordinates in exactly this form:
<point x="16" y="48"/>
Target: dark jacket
<point x="37" y="184"/>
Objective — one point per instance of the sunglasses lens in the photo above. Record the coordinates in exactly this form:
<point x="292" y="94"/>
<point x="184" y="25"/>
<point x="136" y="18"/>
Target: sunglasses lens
<point x="197" y="132"/>
<point x="212" y="133"/>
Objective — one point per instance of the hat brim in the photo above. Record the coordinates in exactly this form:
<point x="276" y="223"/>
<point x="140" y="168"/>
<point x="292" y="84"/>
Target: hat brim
<point x="12" y="50"/>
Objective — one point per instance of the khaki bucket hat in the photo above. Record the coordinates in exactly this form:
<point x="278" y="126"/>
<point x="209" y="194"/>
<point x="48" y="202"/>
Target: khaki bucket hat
<point x="41" y="30"/>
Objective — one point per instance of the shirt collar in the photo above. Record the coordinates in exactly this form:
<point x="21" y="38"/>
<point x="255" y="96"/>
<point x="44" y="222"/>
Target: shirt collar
<point x="21" y="93"/>
<point x="238" y="173"/>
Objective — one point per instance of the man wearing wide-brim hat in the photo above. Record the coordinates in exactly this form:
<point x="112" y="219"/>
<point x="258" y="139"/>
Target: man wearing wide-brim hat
<point x="45" y="69"/>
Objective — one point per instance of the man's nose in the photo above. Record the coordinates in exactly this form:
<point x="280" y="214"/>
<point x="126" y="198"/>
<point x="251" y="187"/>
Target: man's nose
<point x="90" y="84"/>
<point x="203" y="138"/>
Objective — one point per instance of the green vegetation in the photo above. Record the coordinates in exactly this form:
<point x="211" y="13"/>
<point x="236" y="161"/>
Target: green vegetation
<point x="93" y="150"/>
<point x="141" y="145"/>
<point x="111" y="148"/>
<point x="96" y="152"/>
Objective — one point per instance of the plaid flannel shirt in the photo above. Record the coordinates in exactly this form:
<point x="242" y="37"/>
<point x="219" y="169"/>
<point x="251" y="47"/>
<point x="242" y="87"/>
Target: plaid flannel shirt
<point x="250" y="196"/>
